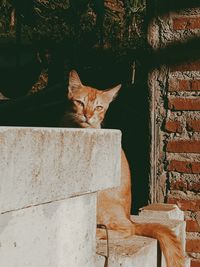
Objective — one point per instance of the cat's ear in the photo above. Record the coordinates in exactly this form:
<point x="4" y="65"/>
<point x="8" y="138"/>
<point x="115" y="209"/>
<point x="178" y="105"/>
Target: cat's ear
<point x="111" y="94"/>
<point x="74" y="82"/>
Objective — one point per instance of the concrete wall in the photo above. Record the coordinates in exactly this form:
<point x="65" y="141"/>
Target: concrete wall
<point x="48" y="184"/>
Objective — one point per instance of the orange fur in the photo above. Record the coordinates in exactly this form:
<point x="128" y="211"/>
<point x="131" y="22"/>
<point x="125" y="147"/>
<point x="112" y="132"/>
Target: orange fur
<point x="113" y="205"/>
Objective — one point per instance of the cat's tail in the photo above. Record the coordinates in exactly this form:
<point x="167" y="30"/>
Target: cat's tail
<point x="169" y="243"/>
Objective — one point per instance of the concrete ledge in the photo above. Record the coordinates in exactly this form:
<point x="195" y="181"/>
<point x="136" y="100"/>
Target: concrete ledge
<point x="57" y="234"/>
<point x="133" y="251"/>
<point x="39" y="165"/>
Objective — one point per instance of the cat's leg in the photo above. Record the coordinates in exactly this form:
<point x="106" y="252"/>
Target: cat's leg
<point x="121" y="228"/>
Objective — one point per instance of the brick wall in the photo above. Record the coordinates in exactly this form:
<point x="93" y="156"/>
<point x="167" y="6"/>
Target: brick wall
<point x="182" y="126"/>
<point x="175" y="97"/>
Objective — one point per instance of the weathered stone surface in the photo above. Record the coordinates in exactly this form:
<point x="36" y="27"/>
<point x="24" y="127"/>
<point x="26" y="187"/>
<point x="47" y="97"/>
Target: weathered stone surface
<point x="176" y="225"/>
<point x="187" y="262"/>
<point x="169" y="215"/>
<point x="38" y="165"/>
<point x="58" y="234"/>
<point x="133" y="251"/>
<point x="164" y="211"/>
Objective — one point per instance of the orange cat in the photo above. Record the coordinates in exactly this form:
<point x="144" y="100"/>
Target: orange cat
<point x="89" y="106"/>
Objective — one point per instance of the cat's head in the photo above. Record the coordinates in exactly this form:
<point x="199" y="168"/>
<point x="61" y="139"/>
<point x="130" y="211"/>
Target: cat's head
<point x="89" y="105"/>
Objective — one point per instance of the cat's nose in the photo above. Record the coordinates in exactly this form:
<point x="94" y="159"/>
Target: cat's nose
<point x="88" y="116"/>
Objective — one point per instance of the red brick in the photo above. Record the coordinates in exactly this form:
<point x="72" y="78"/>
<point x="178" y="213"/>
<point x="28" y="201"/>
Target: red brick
<point x="179" y="184"/>
<point x="183" y="146"/>
<point x="195" y="85"/>
<point x="180" y="103"/>
<point x="193" y="245"/>
<point x="185" y="204"/>
<point x="193" y="125"/>
<point x="193" y="186"/>
<point x="184" y="85"/>
<point x="184" y="166"/>
<point x="173" y="127"/>
<point x="185" y="185"/>
<point x="179" y="85"/>
<point x="192" y="226"/>
<point x="187" y="66"/>
<point x="195" y="263"/>
<point x="186" y="23"/>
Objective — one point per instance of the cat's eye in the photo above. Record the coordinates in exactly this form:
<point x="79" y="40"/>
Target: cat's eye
<point x="99" y="108"/>
<point x="78" y="102"/>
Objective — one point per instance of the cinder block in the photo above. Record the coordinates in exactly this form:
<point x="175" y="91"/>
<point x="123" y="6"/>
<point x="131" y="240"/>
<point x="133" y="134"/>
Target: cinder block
<point x="133" y="251"/>
<point x="39" y="165"/>
<point x="58" y="234"/>
<point x="161" y="210"/>
<point x="176" y="225"/>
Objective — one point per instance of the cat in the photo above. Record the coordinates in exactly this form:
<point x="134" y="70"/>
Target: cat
<point x="88" y="109"/>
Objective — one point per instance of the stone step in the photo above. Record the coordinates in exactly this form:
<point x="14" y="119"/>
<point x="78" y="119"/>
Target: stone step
<point x="57" y="234"/>
<point x="133" y="251"/>
<point x="48" y="183"/>
<point x="165" y="214"/>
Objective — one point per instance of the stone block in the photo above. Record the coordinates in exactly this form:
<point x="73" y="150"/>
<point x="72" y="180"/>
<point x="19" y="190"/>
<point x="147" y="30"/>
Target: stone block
<point x="187" y="262"/>
<point x="133" y="251"/>
<point x="39" y="165"/>
<point x="58" y="234"/>
<point x="175" y="225"/>
<point x="164" y="211"/>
